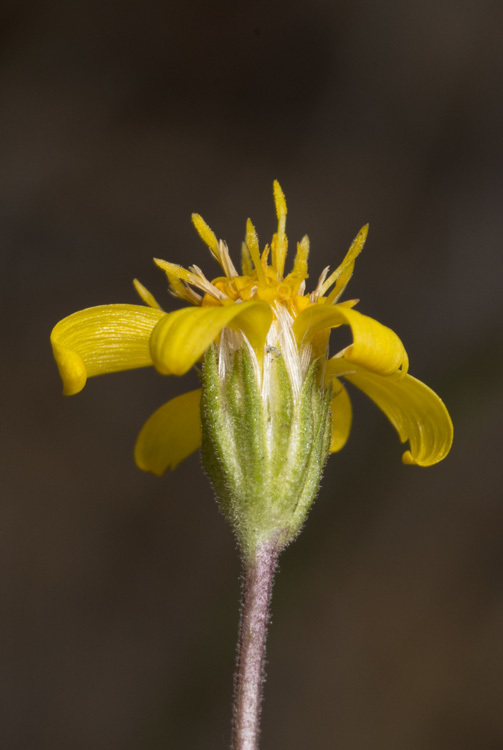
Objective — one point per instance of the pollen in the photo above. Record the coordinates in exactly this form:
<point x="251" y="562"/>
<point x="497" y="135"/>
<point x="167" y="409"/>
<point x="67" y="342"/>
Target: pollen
<point x="270" y="289"/>
<point x="262" y="271"/>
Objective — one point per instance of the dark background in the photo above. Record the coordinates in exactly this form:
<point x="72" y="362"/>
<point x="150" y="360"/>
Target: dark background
<point x="119" y="591"/>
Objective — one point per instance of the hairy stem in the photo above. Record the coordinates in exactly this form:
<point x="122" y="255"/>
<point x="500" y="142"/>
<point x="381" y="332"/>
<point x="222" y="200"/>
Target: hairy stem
<point x="259" y="568"/>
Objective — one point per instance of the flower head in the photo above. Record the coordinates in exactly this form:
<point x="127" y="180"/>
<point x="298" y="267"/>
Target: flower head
<point x="271" y="315"/>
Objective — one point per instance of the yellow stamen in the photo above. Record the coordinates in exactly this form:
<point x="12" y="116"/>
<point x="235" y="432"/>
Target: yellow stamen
<point x="254" y="250"/>
<point x="226" y="262"/>
<point x="178" y="278"/>
<point x="146" y="296"/>
<point x="206" y="234"/>
<point x="341" y="276"/>
<point x="174" y="270"/>
<point x="200" y="280"/>
<point x="175" y="275"/>
<point x="218" y="248"/>
<point x="246" y="261"/>
<point x="299" y="273"/>
<point x="316" y="293"/>
<point x="279" y="242"/>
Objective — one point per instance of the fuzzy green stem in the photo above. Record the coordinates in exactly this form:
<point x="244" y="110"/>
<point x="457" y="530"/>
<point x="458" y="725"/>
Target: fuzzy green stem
<point x="259" y="568"/>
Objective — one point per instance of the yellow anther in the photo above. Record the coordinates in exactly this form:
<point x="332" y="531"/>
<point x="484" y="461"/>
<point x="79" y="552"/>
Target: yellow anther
<point x="279" y="242"/>
<point x="225" y="260"/>
<point x="246" y="261"/>
<point x="300" y="263"/>
<point x="174" y="270"/>
<point x="341" y="276"/>
<point x="253" y="247"/>
<point x="206" y="234"/>
<point x="279" y="200"/>
<point x="178" y="278"/>
<point x="145" y="295"/>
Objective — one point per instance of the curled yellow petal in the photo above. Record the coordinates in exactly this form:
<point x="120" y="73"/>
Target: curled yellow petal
<point x="102" y="339"/>
<point x="375" y="347"/>
<point x="342" y="414"/>
<point x="414" y="410"/>
<point x="171" y="434"/>
<point x="182" y="337"/>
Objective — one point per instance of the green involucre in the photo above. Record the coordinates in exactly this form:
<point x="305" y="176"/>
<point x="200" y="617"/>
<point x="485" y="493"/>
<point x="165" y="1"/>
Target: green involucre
<point x="263" y="455"/>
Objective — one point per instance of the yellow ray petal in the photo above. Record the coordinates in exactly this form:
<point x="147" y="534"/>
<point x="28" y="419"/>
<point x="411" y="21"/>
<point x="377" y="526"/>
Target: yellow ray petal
<point x="342" y="414"/>
<point x="181" y="337"/>
<point x="414" y="410"/>
<point x="171" y="434"/>
<point x="102" y="339"/>
<point x="374" y="346"/>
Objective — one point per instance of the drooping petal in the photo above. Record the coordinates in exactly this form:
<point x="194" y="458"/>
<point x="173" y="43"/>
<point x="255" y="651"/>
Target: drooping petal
<point x="181" y="337"/>
<point x="374" y="346"/>
<point x="170" y="435"/>
<point x="414" y="410"/>
<point x="102" y="339"/>
<point x="342" y="413"/>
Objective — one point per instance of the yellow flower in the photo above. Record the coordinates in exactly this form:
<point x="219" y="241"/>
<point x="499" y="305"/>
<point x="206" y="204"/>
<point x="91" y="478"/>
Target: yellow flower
<point x="272" y="315"/>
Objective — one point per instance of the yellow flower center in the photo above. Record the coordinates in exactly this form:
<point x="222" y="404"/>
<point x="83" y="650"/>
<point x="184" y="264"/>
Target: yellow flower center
<point x="259" y="279"/>
<point x="249" y="286"/>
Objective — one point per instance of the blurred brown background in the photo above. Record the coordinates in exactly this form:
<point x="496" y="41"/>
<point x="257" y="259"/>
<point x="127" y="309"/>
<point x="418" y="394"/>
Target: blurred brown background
<point x="119" y="591"/>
